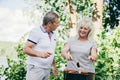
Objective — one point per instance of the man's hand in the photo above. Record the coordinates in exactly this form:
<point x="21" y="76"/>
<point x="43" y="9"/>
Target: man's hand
<point x="54" y="71"/>
<point x="45" y="54"/>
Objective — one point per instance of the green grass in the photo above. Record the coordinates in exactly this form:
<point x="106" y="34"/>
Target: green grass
<point x="8" y="49"/>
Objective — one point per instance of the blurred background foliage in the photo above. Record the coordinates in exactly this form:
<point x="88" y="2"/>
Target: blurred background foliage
<point x="108" y="64"/>
<point x="111" y="13"/>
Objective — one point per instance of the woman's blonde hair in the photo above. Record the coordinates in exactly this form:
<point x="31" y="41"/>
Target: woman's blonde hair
<point x="86" y="22"/>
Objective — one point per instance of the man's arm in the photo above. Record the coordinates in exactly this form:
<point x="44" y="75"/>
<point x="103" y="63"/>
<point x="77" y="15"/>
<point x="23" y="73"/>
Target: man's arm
<point x="29" y="51"/>
<point x="54" y="69"/>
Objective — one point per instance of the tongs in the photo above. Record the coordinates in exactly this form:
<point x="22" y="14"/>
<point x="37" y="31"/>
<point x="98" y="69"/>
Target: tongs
<point x="76" y="72"/>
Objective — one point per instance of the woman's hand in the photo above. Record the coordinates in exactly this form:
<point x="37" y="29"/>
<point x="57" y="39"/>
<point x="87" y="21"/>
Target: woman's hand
<point x="68" y="57"/>
<point x="93" y="58"/>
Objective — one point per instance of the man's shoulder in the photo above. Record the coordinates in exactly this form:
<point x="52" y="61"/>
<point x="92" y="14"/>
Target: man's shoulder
<point x="36" y="29"/>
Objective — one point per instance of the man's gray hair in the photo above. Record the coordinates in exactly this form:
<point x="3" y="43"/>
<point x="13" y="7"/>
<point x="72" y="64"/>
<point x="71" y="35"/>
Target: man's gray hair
<point x="49" y="17"/>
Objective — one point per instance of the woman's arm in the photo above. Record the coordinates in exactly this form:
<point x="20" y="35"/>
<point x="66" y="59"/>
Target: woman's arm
<point x="65" y="51"/>
<point x="93" y="55"/>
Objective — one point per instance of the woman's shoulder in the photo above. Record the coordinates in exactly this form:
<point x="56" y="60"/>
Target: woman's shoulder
<point x="72" y="38"/>
<point x="92" y="42"/>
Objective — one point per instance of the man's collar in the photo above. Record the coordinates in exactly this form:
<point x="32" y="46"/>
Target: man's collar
<point x="44" y="30"/>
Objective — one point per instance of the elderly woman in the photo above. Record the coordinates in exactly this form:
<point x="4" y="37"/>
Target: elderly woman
<point x="81" y="50"/>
